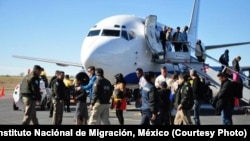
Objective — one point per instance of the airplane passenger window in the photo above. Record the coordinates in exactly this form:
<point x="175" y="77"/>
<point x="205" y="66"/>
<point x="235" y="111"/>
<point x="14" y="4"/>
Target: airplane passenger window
<point x="131" y="35"/>
<point x="109" y="32"/>
<point x="94" y="33"/>
<point x="125" y="35"/>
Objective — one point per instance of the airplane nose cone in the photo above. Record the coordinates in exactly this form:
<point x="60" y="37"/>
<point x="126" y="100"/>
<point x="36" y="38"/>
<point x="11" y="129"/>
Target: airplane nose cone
<point x="93" y="54"/>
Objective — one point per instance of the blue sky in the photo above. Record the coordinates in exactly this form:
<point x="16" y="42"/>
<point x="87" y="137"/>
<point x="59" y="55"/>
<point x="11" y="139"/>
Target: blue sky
<point x="55" y="29"/>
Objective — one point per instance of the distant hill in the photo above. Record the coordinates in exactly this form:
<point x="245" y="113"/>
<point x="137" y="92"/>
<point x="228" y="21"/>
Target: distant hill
<point x="9" y="83"/>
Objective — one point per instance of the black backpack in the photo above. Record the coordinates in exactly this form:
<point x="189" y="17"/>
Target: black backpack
<point x="222" y="59"/>
<point x="237" y="88"/>
<point x="205" y="91"/>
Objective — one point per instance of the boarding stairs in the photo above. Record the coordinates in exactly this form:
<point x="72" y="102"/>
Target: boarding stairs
<point x="154" y="44"/>
<point x="184" y="59"/>
<point x="210" y="74"/>
<point x="246" y="88"/>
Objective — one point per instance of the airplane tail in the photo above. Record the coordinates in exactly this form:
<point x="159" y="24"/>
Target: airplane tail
<point x="193" y="27"/>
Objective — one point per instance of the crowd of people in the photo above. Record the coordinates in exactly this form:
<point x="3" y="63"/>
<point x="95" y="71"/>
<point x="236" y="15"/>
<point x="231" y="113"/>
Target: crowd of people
<point x="159" y="96"/>
<point x="178" y="39"/>
<point x="178" y="42"/>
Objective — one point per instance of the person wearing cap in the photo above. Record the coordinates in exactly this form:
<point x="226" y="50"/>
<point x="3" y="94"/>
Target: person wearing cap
<point x="102" y="92"/>
<point x="165" y="104"/>
<point x="197" y="93"/>
<point x="184" y="101"/>
<point x="30" y="90"/>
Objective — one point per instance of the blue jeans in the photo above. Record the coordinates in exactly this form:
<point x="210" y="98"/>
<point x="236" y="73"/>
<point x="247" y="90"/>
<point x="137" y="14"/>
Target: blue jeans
<point x="146" y="118"/>
<point x="226" y="115"/>
<point x="196" y="112"/>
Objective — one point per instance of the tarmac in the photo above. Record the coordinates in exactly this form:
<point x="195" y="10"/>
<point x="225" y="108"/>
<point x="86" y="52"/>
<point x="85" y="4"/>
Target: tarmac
<point x="132" y="115"/>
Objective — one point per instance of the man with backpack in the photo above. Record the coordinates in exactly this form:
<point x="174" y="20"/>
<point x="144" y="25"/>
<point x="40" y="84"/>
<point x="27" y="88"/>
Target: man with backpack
<point x="224" y="59"/>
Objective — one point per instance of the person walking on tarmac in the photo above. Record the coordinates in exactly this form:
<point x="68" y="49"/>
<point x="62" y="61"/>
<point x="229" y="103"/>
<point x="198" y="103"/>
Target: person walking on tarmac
<point x="58" y="94"/>
<point x="102" y="91"/>
<point x="81" y="110"/>
<point x="50" y="86"/>
<point x="68" y="86"/>
<point x="197" y="94"/>
<point x="119" y="97"/>
<point x="225" y="99"/>
<point x="150" y="101"/>
<point x="30" y="95"/>
<point x="184" y="101"/>
<point x="165" y="104"/>
<point x="89" y="86"/>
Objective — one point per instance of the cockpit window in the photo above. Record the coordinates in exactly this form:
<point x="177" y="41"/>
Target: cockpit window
<point x="94" y="33"/>
<point x="131" y="35"/>
<point x="125" y="35"/>
<point x="109" y="32"/>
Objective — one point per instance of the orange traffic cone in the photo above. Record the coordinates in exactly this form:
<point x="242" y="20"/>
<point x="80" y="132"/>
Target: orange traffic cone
<point x="2" y="92"/>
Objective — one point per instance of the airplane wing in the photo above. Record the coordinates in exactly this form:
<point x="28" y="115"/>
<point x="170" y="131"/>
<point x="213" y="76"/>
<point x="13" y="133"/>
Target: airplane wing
<point x="57" y="62"/>
<point x="245" y="68"/>
<point x="225" y="45"/>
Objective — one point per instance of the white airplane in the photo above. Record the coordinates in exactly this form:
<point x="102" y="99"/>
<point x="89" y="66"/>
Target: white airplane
<point x="122" y="43"/>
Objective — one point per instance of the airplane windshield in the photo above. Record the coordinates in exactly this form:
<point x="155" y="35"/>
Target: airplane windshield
<point x="128" y="35"/>
<point x="125" y="35"/>
<point x="94" y="33"/>
<point x="109" y="32"/>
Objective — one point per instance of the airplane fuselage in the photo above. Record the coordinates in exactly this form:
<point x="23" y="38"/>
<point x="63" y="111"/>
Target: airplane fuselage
<point x="123" y="51"/>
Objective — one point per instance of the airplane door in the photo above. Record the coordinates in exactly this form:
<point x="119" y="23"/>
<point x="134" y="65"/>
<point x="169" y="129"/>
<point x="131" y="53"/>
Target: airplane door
<point x="150" y="34"/>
